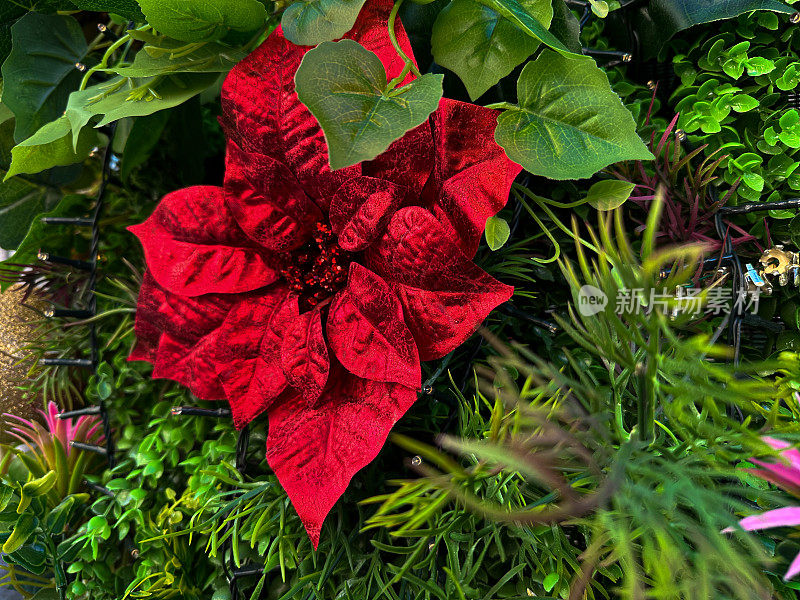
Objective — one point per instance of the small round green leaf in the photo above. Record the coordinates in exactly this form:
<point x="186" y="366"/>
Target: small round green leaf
<point x="609" y="194"/>
<point x="600" y="8"/>
<point x="497" y="232"/>
<point x="550" y="581"/>
<point x="743" y="103"/>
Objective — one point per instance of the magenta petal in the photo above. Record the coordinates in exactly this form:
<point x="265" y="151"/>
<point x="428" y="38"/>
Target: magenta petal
<point x="787" y="474"/>
<point x="780" y="517"/>
<point x="793" y="569"/>
<point x="792" y="455"/>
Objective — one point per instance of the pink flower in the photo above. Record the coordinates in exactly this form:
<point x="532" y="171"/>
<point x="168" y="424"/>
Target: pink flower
<point x="785" y="475"/>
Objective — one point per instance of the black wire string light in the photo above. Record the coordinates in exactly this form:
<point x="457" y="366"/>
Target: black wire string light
<point x="90" y="266"/>
<point x="738" y="316"/>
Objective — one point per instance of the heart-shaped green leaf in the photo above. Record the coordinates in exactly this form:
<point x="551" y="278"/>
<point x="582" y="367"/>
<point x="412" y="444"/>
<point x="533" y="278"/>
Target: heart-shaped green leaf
<point x="569" y="123"/>
<point x="311" y="22"/>
<point x="40" y="72"/>
<point x="479" y="45"/>
<point x="515" y="12"/>
<point x="203" y="20"/>
<point x="344" y="86"/>
<point x="743" y="103"/>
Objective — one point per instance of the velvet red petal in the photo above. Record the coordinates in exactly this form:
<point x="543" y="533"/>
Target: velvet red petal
<point x="193" y="246"/>
<point x="304" y="356"/>
<point x="261" y="112"/>
<point x="408" y="161"/>
<point x="316" y="451"/>
<point x="149" y="322"/>
<point x="361" y="209"/>
<point x="371" y="32"/>
<point x="267" y="201"/>
<point x="249" y="364"/>
<point x="187" y="348"/>
<point x="367" y="333"/>
<point x="444" y="295"/>
<point x="473" y="175"/>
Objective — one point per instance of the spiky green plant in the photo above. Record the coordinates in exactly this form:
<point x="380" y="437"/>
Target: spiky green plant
<point x="629" y="445"/>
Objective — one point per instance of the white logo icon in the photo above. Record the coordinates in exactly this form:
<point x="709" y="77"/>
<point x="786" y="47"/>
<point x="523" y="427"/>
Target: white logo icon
<point x="591" y="300"/>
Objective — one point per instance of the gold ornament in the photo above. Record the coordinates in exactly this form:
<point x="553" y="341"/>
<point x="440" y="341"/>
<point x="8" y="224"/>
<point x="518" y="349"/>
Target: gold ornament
<point x="16" y="330"/>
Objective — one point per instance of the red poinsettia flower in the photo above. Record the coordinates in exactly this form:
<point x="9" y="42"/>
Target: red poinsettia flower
<point x="314" y="294"/>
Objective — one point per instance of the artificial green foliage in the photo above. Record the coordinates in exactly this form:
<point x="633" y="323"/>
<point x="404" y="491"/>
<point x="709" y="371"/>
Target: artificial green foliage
<point x="21" y="199"/>
<point x="142" y="140"/>
<point x="28" y="234"/>
<point x="661" y="19"/>
<point x="568" y="124"/>
<point x="20" y="202"/>
<point x="497" y="232"/>
<point x="161" y="56"/>
<point x="520" y="17"/>
<point x="732" y="96"/>
<point x="40" y="500"/>
<point x="9" y="13"/>
<point x="565" y="26"/>
<point x="125" y="97"/>
<point x="628" y="433"/>
<point x="203" y="20"/>
<point x="55" y="104"/>
<point x="345" y="87"/>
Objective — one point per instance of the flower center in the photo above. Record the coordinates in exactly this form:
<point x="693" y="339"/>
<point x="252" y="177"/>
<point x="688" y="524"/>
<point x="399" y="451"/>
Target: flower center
<point x="318" y="269"/>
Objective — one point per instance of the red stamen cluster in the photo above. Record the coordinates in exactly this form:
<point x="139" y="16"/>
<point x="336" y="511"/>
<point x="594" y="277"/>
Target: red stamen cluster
<point x="317" y="270"/>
